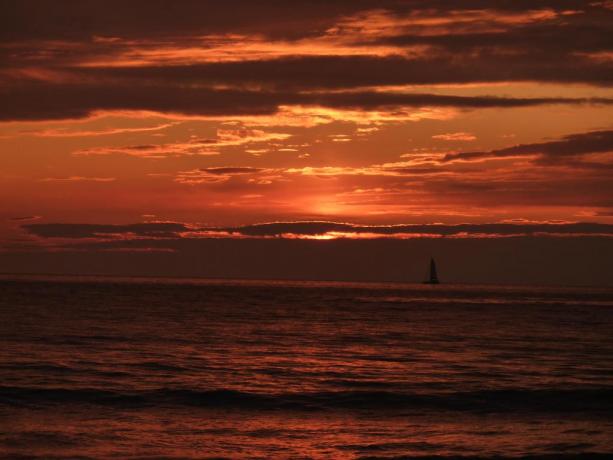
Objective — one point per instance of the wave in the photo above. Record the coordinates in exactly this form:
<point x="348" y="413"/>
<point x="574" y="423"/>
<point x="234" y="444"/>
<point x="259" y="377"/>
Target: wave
<point x="586" y="455"/>
<point x="570" y="456"/>
<point x="566" y="456"/>
<point x="59" y="369"/>
<point x="594" y="401"/>
<point x="484" y="300"/>
<point x="575" y="456"/>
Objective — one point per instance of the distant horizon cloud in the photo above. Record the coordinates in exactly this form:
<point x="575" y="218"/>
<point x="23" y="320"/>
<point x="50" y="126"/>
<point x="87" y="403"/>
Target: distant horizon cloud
<point x="22" y="218"/>
<point x="314" y="230"/>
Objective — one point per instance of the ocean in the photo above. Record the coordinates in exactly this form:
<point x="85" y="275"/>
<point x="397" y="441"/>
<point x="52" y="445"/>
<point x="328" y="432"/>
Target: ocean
<point x="105" y="368"/>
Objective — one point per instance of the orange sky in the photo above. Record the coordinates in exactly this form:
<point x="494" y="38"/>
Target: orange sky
<point x="233" y="113"/>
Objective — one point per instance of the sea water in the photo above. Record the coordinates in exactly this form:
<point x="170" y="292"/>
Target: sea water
<point x="181" y="369"/>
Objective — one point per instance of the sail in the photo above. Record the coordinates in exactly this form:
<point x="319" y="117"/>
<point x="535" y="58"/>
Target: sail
<point x="433" y="275"/>
<point x="433" y="278"/>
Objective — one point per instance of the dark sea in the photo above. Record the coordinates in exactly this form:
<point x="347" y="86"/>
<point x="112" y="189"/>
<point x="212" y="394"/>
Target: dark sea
<point x="99" y="368"/>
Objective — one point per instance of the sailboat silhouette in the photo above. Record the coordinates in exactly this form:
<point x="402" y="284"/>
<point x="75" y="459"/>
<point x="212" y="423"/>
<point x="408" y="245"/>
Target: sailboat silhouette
<point x="433" y="276"/>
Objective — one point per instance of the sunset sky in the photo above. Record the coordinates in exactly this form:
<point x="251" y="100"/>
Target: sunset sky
<point x="157" y="121"/>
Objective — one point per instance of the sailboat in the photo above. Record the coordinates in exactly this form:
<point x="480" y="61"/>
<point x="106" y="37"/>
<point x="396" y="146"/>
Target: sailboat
<point x="433" y="276"/>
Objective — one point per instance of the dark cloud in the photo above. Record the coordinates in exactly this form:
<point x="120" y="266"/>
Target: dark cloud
<point x="83" y="19"/>
<point x="370" y="100"/>
<point x="37" y="101"/>
<point x="50" y="40"/>
<point x="570" y="188"/>
<point x="62" y="230"/>
<point x="569" y="146"/>
<point x="231" y="170"/>
<point x="313" y="72"/>
<point x="310" y="228"/>
<point x="577" y="33"/>
<point x="66" y="32"/>
<point x="316" y="228"/>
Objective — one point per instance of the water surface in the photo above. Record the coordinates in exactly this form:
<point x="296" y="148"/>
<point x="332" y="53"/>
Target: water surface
<point x="117" y="368"/>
